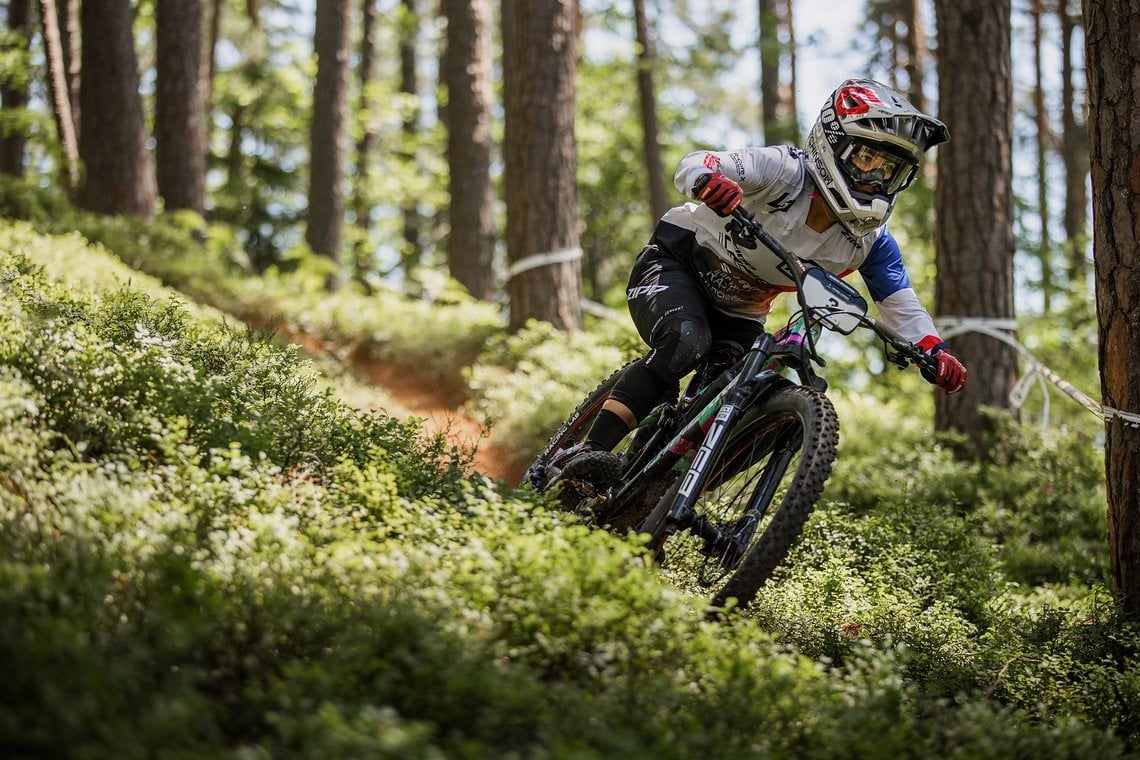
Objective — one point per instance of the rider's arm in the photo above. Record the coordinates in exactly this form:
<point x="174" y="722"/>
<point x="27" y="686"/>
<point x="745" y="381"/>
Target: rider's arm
<point x="887" y="280"/>
<point x="755" y="169"/>
<point x="890" y="288"/>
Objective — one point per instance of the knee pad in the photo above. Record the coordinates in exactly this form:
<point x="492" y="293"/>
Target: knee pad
<point x="682" y="346"/>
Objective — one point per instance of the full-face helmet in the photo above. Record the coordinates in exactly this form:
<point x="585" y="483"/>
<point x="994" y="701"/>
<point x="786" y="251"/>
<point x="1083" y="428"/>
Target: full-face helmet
<point x="864" y="148"/>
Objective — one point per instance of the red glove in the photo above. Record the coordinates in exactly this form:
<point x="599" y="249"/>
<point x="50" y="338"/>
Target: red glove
<point x="719" y="193"/>
<point x="951" y="375"/>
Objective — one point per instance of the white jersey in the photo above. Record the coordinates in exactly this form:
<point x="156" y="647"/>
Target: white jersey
<point x="743" y="281"/>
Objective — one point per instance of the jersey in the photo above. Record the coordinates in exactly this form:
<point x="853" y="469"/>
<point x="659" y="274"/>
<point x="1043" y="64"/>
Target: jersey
<point x="742" y="278"/>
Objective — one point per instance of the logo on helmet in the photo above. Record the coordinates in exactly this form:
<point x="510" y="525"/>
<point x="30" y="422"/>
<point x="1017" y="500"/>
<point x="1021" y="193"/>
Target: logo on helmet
<point x="855" y="100"/>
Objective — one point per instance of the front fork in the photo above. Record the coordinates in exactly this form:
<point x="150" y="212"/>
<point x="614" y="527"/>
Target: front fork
<point x="713" y="445"/>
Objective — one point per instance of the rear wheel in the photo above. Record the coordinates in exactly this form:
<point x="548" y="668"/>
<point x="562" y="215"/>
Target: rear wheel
<point x="757" y="499"/>
<point x="572" y="432"/>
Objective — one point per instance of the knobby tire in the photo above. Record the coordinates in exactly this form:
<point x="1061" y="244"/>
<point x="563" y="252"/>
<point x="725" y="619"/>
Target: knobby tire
<point x="794" y="413"/>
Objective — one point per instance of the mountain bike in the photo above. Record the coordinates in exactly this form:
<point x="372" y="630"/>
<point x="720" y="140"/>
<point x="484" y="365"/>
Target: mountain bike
<point x="728" y="473"/>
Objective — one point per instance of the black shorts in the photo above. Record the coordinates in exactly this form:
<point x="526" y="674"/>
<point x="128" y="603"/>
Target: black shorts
<point x="671" y="312"/>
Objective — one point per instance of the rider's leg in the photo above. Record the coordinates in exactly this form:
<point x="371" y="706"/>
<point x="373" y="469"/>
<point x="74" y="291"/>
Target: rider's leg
<point x="669" y="313"/>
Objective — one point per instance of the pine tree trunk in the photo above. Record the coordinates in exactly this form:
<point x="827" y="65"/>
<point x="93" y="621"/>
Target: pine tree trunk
<point x="647" y="98"/>
<point x="67" y="15"/>
<point x="179" y="125"/>
<point x="1114" y="107"/>
<point x="470" y="147"/>
<point x="14" y="95"/>
<point x="409" y="85"/>
<point x="119" y="178"/>
<point x="1075" y="157"/>
<point x="778" y="109"/>
<point x="60" y="97"/>
<point x="1041" y="122"/>
<point x="210" y="68"/>
<point x="327" y="131"/>
<point x="974" y="202"/>
<point x="915" y="46"/>
<point x="539" y="65"/>
<point x="366" y="73"/>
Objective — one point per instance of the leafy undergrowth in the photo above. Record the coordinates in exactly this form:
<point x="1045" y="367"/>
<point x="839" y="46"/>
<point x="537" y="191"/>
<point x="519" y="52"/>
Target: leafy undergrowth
<point x="204" y="554"/>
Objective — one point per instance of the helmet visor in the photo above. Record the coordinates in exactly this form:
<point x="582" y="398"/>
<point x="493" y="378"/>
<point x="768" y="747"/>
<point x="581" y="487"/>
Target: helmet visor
<point x="877" y="169"/>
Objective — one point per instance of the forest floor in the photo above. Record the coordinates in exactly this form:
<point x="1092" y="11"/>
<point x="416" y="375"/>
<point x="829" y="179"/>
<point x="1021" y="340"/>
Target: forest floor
<point x="441" y="415"/>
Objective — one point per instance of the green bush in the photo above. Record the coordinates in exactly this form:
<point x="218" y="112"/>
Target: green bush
<point x="203" y="556"/>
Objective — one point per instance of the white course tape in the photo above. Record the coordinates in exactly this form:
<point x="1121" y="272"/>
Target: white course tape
<point x="999" y="329"/>
<point x="561" y="256"/>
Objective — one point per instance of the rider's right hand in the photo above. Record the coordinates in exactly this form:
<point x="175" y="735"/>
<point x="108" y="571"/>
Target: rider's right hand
<point x="718" y="192"/>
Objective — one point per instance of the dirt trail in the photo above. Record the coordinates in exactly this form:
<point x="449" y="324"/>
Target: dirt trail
<point x="441" y="415"/>
<point x="440" y="412"/>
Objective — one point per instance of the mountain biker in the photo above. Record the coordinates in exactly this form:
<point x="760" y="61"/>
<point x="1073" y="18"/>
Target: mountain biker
<point x="694" y="287"/>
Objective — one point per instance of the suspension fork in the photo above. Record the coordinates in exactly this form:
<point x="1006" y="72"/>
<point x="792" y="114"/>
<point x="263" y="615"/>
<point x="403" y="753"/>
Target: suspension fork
<point x="696" y="477"/>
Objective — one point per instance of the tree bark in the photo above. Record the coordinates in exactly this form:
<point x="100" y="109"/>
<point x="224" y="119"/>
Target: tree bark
<point x="778" y="109"/>
<point x="67" y="15"/>
<point x="366" y="69"/>
<point x="1043" y="140"/>
<point x="118" y="177"/>
<point x="974" y="202"/>
<point x="14" y="95"/>
<point x="1111" y="30"/>
<point x="179" y="123"/>
<point x="60" y="96"/>
<point x="409" y="85"/>
<point x="647" y="98"/>
<point x="467" y="76"/>
<point x="327" y="131"/>
<point x="539" y="65"/>
<point x="1074" y="156"/>
<point x="914" y="43"/>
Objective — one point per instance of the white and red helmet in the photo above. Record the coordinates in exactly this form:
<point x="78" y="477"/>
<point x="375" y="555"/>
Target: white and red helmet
<point x="864" y="148"/>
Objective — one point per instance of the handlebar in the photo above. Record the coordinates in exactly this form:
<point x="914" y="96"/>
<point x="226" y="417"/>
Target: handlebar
<point x="905" y="350"/>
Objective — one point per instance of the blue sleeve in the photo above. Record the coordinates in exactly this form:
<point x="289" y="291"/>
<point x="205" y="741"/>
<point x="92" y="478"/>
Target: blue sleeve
<point x="883" y="270"/>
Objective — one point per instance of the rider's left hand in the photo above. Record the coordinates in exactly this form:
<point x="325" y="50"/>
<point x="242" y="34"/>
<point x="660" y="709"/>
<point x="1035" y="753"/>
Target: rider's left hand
<point x="950" y="375"/>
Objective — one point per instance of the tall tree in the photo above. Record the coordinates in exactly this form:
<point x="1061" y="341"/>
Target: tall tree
<point x="67" y="14"/>
<point x="1043" y="142"/>
<point x="1074" y="153"/>
<point x="973" y="200"/>
<point x="539" y="65"/>
<point x="59" y="91"/>
<point x="119" y="178"/>
<point x="899" y="45"/>
<point x="179" y="121"/>
<point x="1114" y="111"/>
<point x="14" y="95"/>
<point x="467" y="77"/>
<point x="409" y="85"/>
<point x="366" y="142"/>
<point x="327" y="133"/>
<point x="914" y="46"/>
<point x="777" y="96"/>
<point x="647" y="99"/>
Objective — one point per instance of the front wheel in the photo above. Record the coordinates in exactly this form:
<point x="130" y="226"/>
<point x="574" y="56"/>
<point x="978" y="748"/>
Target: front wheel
<point x="779" y="453"/>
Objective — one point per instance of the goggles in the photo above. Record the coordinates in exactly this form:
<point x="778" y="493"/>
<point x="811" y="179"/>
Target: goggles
<point x="883" y="171"/>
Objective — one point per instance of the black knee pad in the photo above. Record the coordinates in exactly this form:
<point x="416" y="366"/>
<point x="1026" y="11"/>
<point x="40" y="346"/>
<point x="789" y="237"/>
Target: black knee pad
<point x="681" y="347"/>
